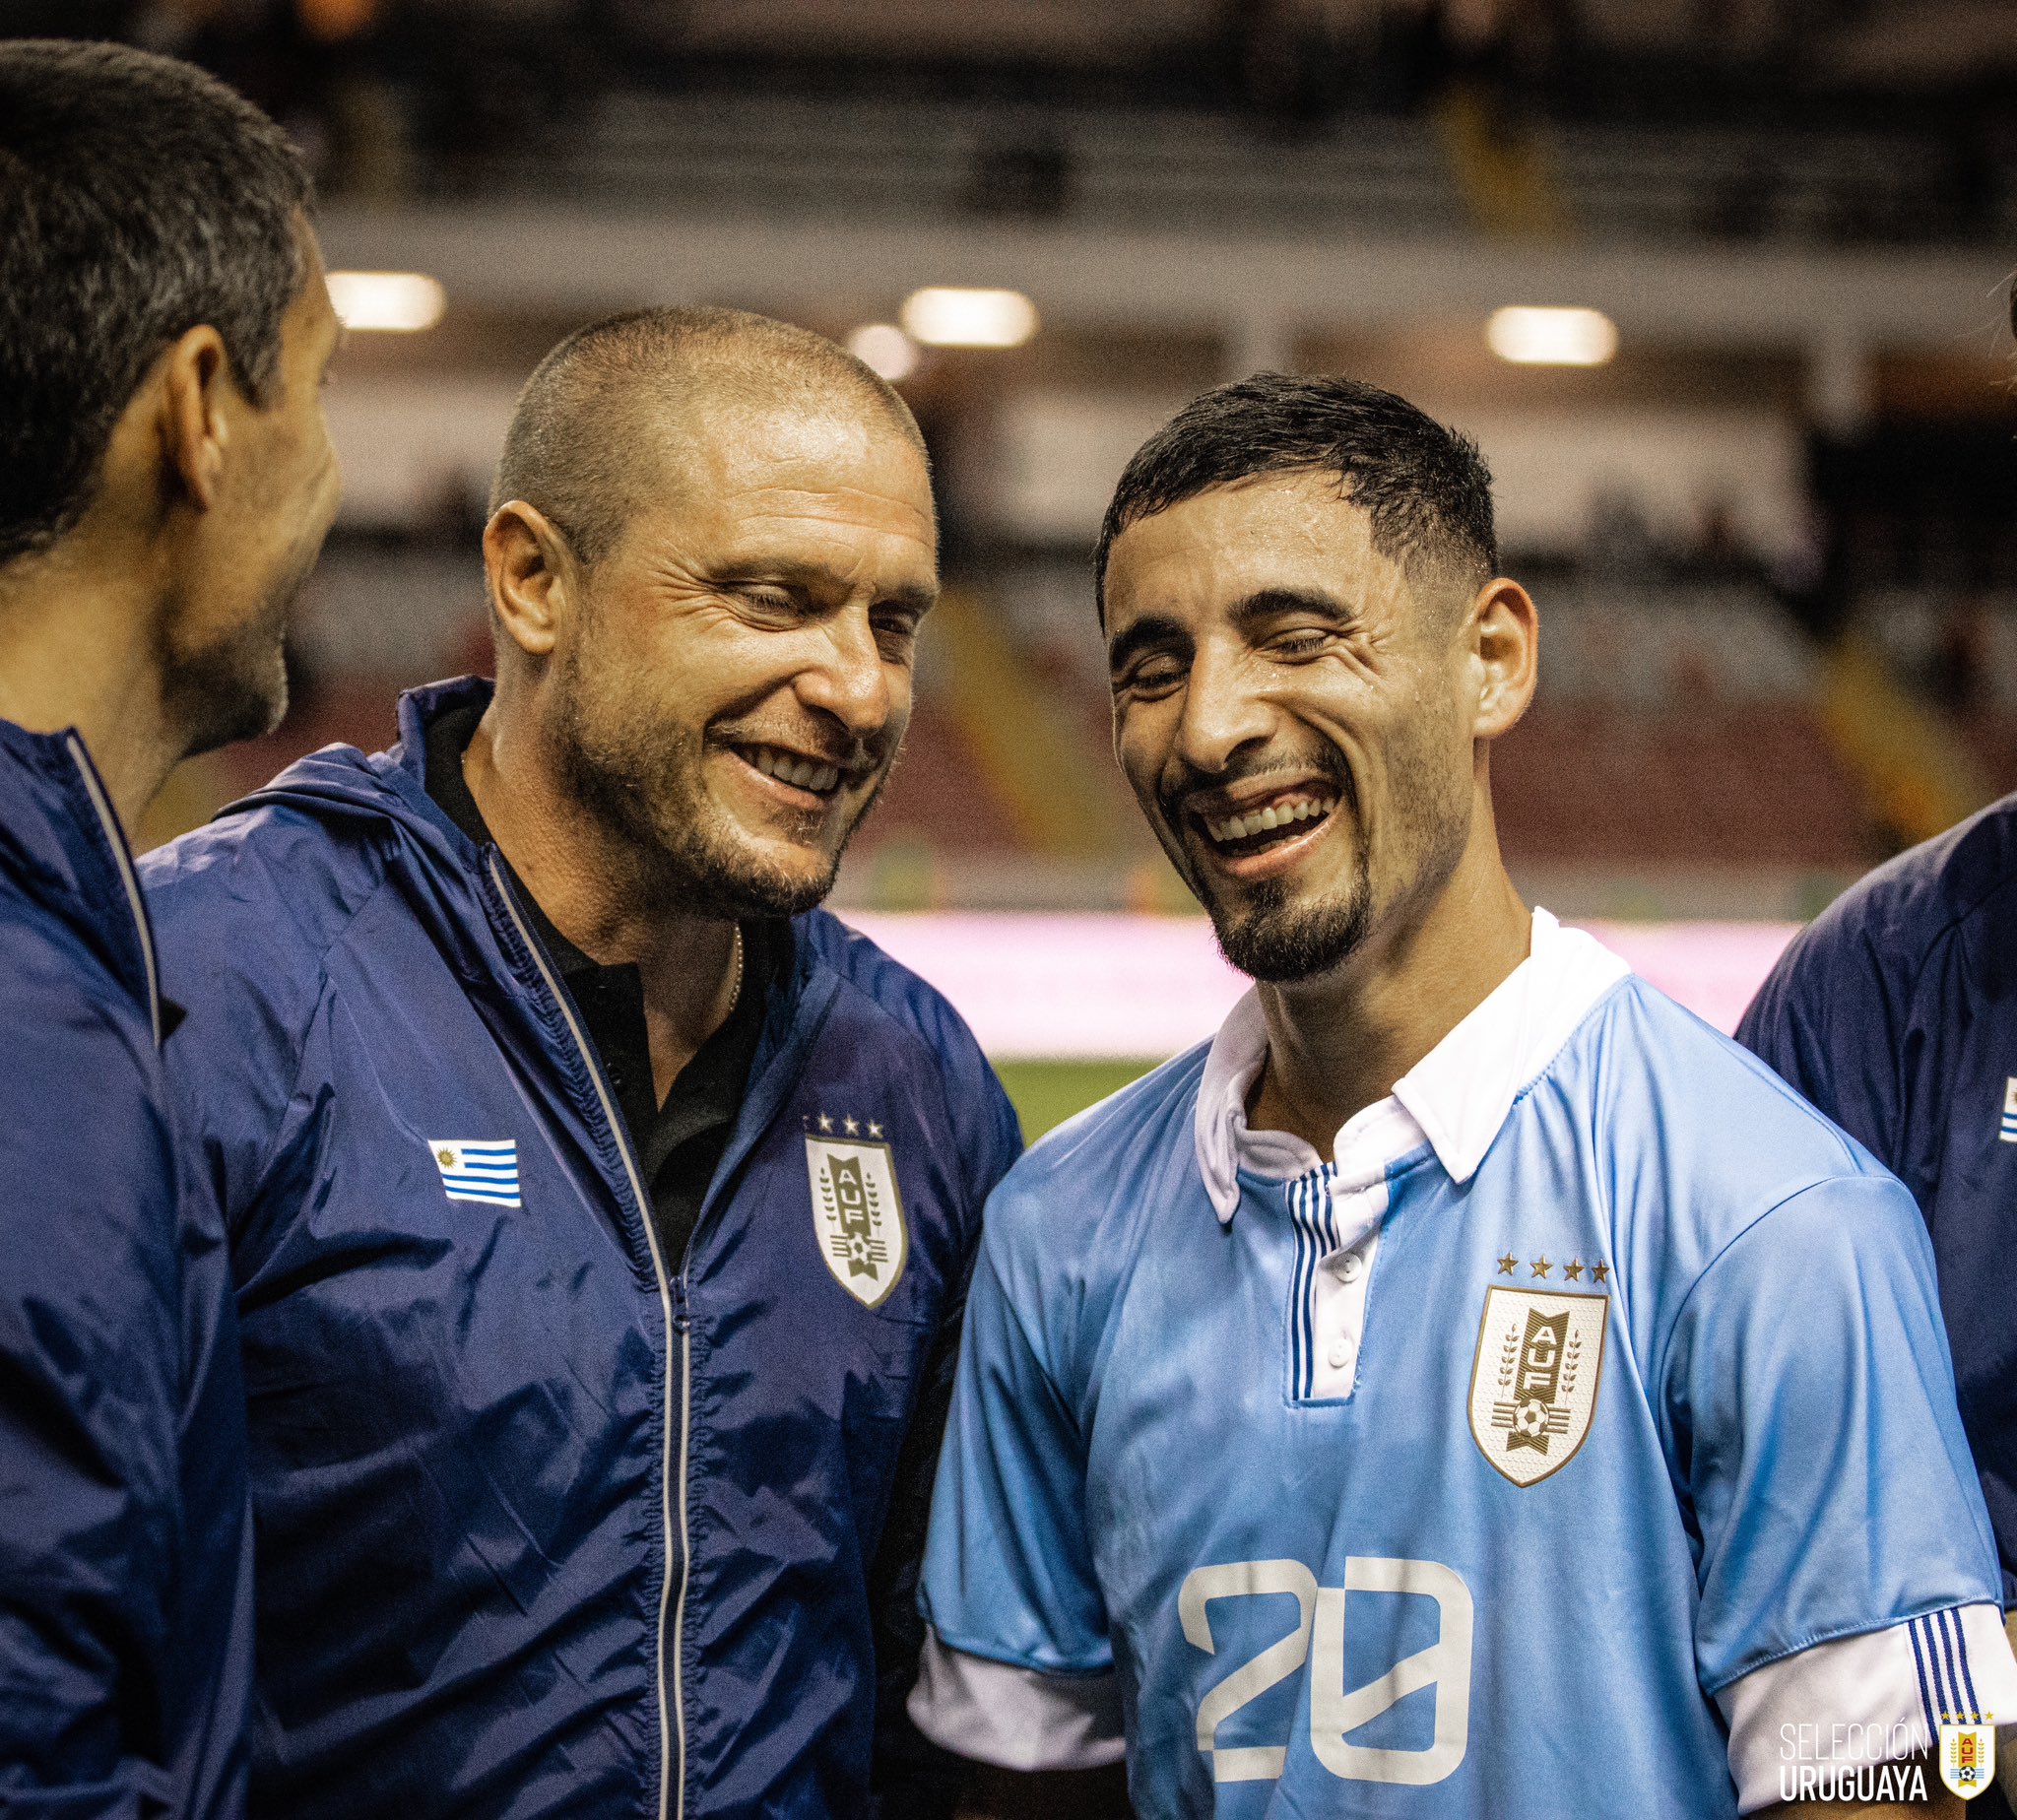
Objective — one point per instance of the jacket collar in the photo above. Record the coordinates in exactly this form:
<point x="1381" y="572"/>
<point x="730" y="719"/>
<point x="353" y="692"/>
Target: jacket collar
<point x="420" y="707"/>
<point x="61" y="842"/>
<point x="1456" y="1097"/>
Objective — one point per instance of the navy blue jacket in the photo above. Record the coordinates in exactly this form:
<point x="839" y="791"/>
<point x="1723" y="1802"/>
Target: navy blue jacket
<point x="126" y="1596"/>
<point x="546" y="1524"/>
<point x="1894" y="1012"/>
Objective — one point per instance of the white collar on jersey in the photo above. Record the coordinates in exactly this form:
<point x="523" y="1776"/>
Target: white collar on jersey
<point x="1456" y="1096"/>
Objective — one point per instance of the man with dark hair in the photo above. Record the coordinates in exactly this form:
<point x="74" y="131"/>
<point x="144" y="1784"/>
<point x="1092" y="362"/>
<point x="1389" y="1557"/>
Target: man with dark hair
<point x="1392" y="1406"/>
<point x="602" y="1210"/>
<point x="165" y="480"/>
<point x="1893" y="1013"/>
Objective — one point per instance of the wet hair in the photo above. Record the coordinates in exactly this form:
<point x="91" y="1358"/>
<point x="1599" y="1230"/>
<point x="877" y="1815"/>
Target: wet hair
<point x="1425" y="487"/>
<point x="595" y="401"/>
<point x="139" y="198"/>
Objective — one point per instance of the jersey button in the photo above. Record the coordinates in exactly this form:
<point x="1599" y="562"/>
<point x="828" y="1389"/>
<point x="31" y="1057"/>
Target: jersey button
<point x="1340" y="1354"/>
<point x="1349" y="1267"/>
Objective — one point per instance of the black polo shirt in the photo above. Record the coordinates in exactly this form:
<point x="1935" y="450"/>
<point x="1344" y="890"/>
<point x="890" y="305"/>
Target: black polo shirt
<point x="679" y="1144"/>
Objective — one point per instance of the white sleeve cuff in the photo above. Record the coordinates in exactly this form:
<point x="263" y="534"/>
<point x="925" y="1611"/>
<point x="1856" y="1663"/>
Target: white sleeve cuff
<point x="1015" y="1719"/>
<point x="1867" y="1699"/>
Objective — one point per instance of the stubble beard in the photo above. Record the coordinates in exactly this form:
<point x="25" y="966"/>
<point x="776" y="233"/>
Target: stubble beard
<point x="237" y="686"/>
<point x="644" y="788"/>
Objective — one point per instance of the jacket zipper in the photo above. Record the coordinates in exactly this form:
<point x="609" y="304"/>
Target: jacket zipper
<point x="115" y="838"/>
<point x="672" y="1788"/>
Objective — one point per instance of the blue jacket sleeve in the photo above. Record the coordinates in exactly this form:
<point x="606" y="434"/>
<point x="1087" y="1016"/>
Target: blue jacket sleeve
<point x="92" y="1382"/>
<point x="1831" y="1020"/>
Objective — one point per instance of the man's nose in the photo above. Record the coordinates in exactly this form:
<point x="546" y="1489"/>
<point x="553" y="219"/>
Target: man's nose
<point x="847" y="676"/>
<point x="1224" y="711"/>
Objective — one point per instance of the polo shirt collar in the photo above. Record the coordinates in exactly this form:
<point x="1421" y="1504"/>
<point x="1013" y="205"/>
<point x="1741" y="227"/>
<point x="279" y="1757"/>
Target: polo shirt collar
<point x="1456" y="1097"/>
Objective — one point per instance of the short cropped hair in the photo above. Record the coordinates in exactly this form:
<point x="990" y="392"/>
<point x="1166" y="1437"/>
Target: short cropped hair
<point x="139" y="198"/>
<point x="581" y="439"/>
<point x="1425" y="487"/>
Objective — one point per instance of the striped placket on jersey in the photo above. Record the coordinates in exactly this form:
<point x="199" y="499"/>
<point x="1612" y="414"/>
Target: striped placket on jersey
<point x="1336" y="1232"/>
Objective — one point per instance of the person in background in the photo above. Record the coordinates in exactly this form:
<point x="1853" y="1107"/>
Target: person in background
<point x="165" y="482"/>
<point x="1895" y="1012"/>
<point x="602" y="1209"/>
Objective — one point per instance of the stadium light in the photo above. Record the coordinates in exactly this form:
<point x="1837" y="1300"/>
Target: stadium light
<point x="945" y="316"/>
<point x="1532" y="337"/>
<point x="395" y="302"/>
<point x="885" y="350"/>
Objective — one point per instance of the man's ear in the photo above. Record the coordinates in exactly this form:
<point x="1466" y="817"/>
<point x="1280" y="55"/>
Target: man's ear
<point x="1504" y="633"/>
<point x="196" y="389"/>
<point x="532" y="573"/>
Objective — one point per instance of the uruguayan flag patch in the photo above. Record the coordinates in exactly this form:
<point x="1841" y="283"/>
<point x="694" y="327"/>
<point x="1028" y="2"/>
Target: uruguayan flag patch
<point x="477" y="1169"/>
<point x="2008" y="1131"/>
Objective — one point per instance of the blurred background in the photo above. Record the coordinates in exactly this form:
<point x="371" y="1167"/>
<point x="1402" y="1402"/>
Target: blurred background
<point x="1721" y="287"/>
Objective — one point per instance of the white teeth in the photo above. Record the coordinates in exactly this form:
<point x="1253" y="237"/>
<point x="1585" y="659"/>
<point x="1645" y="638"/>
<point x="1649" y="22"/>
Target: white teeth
<point x="806" y="773"/>
<point x="1238" y="827"/>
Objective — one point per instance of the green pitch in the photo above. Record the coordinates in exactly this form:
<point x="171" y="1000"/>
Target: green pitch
<point x="1047" y="1093"/>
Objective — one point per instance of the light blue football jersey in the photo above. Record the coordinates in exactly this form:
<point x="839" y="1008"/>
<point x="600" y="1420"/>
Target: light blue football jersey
<point x="1641" y="1388"/>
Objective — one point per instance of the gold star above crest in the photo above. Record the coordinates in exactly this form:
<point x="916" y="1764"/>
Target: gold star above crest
<point x="1572" y="1270"/>
<point x="1541" y="1265"/>
<point x="851" y="1126"/>
<point x="875" y="1130"/>
<point x="1507" y="1265"/>
<point x="825" y="1124"/>
<point x="1599" y="1271"/>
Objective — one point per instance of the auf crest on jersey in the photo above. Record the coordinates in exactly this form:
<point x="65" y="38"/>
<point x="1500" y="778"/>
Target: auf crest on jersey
<point x="1535" y="1377"/>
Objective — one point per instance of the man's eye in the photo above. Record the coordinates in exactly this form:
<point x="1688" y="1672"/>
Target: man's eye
<point x="767" y="602"/>
<point x="1293" y="645"/>
<point x="1155" y="677"/>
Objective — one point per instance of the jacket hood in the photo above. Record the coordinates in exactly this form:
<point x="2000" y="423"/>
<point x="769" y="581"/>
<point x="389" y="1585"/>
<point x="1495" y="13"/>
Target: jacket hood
<point x="63" y="851"/>
<point x="339" y="782"/>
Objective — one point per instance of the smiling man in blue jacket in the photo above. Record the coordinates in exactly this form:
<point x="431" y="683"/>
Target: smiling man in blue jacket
<point x="165" y="480"/>
<point x="602" y="1210"/>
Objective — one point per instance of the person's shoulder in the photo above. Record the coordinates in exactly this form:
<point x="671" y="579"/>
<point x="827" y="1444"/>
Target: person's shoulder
<point x="1122" y="1151"/>
<point x="83" y="1081"/>
<point x="887" y="993"/>
<point x="1662" y="1075"/>
<point x="276" y="870"/>
<point x="57" y="989"/>
<point x="1902" y="910"/>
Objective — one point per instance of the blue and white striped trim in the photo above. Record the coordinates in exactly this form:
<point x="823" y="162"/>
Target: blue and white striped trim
<point x="1946" y="1688"/>
<point x="2008" y="1130"/>
<point x="484" y="1169"/>
<point x="1315" y="1221"/>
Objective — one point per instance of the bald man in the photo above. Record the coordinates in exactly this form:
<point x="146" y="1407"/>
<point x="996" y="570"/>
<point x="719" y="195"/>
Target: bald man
<point x="601" y="1209"/>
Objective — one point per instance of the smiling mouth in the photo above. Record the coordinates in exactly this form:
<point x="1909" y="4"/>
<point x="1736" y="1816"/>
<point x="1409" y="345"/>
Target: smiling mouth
<point x="813" y="775"/>
<point x="1280" y="819"/>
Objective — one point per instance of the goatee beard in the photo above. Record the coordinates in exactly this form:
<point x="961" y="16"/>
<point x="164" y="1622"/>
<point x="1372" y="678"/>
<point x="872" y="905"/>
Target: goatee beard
<point x="1272" y="939"/>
